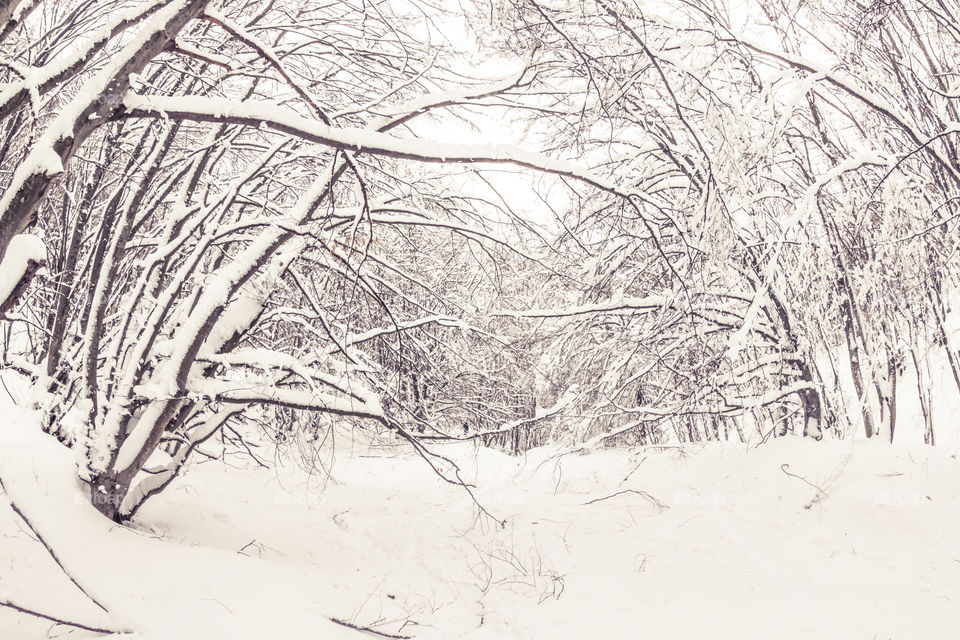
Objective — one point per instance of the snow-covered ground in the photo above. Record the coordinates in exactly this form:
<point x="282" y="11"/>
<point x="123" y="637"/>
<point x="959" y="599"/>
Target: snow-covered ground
<point x="793" y="539"/>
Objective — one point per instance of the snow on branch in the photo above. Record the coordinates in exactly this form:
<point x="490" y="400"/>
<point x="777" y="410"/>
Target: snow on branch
<point x="360" y="404"/>
<point x="25" y="257"/>
<point x="258" y="113"/>
<point x="442" y="321"/>
<point x="622" y="305"/>
<point x="854" y="88"/>
<point x="265" y="359"/>
<point x="62" y="67"/>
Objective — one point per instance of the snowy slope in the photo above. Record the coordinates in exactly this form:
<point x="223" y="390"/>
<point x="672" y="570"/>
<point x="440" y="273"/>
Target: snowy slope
<point x="792" y="540"/>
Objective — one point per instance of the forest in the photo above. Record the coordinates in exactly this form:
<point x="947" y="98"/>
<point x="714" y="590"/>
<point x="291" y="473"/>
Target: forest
<point x="447" y="249"/>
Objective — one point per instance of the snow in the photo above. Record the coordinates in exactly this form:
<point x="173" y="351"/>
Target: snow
<point x="794" y="539"/>
<point x="21" y="250"/>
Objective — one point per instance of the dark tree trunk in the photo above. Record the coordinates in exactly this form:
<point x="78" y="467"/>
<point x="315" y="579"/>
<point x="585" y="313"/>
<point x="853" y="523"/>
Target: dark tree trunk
<point x="107" y="492"/>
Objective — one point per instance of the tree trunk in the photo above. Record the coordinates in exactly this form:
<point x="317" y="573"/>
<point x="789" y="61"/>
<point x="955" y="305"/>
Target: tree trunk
<point x="928" y="436"/>
<point x="892" y="398"/>
<point x="107" y="491"/>
<point x="853" y="350"/>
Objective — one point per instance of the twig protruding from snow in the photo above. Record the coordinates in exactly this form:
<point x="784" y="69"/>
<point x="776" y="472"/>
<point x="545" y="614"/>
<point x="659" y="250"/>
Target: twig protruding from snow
<point x="69" y="623"/>
<point x="358" y="627"/>
<point x="659" y="505"/>
<point x="820" y="492"/>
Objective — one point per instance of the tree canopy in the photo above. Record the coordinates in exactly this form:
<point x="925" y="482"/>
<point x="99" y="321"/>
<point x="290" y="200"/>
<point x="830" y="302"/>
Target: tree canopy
<point x="708" y="221"/>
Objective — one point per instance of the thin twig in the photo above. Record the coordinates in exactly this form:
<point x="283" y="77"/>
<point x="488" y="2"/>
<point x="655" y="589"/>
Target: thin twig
<point x="358" y="627"/>
<point x="256" y="545"/>
<point x="646" y="495"/>
<point x="820" y="492"/>
<point x="14" y="400"/>
<point x="69" y="623"/>
<point x="627" y="477"/>
<point x="428" y="456"/>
